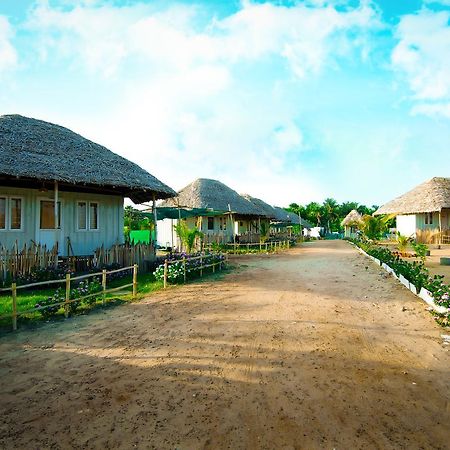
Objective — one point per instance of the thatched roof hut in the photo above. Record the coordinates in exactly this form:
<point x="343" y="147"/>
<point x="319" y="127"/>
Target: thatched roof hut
<point x="265" y="209"/>
<point x="431" y="196"/>
<point x="37" y="152"/>
<point x="283" y="216"/>
<point x="352" y="218"/>
<point x="212" y="194"/>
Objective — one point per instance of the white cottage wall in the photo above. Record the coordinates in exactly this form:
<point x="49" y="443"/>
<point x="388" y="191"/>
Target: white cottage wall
<point x="406" y="225"/>
<point x="84" y="242"/>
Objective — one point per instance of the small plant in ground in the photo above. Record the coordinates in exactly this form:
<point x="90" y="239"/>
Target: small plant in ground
<point x="421" y="250"/>
<point x="51" y="309"/>
<point x="84" y="288"/>
<point x="402" y="243"/>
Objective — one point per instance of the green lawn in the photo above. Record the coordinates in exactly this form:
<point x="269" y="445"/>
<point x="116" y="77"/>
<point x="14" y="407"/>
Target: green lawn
<point x="27" y="299"/>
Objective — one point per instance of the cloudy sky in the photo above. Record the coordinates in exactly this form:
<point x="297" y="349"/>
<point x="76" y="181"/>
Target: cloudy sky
<point x="286" y="100"/>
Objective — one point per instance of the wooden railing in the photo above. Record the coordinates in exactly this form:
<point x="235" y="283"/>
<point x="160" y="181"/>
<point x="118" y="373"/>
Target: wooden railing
<point x="201" y="267"/>
<point x="67" y="300"/>
<point x="261" y="246"/>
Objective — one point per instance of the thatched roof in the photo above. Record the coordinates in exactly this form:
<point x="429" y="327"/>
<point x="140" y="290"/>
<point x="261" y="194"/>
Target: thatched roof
<point x="206" y="193"/>
<point x="430" y="196"/>
<point x="32" y="149"/>
<point x="352" y="218"/>
<point x="289" y="217"/>
<point x="265" y="209"/>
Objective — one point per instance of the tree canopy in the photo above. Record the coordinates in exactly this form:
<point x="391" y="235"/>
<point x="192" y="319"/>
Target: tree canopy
<point x="330" y="213"/>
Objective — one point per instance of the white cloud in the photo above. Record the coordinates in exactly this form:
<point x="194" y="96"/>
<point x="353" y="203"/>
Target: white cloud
<point x="422" y="55"/>
<point x="183" y="108"/>
<point x="8" y="55"/>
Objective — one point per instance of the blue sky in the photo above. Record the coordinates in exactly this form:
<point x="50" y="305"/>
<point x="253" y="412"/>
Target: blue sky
<point x="288" y="101"/>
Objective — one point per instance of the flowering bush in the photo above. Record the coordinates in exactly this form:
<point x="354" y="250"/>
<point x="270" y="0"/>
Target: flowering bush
<point x="175" y="270"/>
<point x="84" y="288"/>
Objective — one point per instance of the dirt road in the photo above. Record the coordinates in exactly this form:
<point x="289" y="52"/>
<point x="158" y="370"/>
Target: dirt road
<point x="309" y="349"/>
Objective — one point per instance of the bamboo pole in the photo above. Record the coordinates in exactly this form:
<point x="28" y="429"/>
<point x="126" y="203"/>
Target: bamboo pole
<point x="165" y="273"/>
<point x="103" y="286"/>
<point x="135" y="282"/>
<point x="67" y="299"/>
<point x="14" y="306"/>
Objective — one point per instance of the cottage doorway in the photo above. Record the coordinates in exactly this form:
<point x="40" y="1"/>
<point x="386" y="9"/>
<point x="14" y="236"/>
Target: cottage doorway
<point x="46" y="232"/>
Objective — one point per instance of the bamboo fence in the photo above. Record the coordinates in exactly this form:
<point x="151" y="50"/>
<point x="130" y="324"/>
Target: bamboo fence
<point x="125" y="255"/>
<point x="67" y="301"/>
<point x="21" y="262"/>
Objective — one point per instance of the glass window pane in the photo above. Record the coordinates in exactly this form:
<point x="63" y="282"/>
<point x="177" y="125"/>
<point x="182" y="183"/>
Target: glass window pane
<point x="82" y="215"/>
<point x="210" y="223"/>
<point x="47" y="220"/>
<point x="93" y="216"/>
<point x="2" y="213"/>
<point x="16" y="213"/>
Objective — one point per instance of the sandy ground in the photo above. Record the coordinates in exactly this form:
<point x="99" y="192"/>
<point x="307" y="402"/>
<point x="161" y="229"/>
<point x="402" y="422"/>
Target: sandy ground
<point x="310" y="349"/>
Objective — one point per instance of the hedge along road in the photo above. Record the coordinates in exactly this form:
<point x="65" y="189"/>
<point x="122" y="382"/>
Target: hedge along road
<point x="313" y="348"/>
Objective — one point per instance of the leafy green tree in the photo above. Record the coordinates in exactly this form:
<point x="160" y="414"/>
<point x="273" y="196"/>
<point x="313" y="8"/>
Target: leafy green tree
<point x="187" y="235"/>
<point x="373" y="227"/>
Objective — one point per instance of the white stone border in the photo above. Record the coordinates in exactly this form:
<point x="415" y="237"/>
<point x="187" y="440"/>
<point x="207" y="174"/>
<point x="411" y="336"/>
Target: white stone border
<point x="424" y="294"/>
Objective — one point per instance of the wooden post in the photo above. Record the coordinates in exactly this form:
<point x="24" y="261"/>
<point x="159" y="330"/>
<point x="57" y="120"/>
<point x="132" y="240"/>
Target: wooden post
<point x="103" y="286"/>
<point x="184" y="268"/>
<point x="66" y="304"/>
<point x="266" y="247"/>
<point x="14" y="305"/>
<point x="201" y="266"/>
<point x="56" y="216"/>
<point x="288" y="244"/>
<point x="440" y="227"/>
<point x="135" y="282"/>
<point x="155" y="220"/>
<point x="166" y="265"/>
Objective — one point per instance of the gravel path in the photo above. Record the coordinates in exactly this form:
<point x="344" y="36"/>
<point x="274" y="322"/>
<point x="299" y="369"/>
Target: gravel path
<point x="314" y="348"/>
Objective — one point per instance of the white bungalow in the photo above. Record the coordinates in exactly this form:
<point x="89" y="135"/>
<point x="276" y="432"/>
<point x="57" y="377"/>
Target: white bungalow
<point x="351" y="222"/>
<point x="58" y="188"/>
<point x="423" y="212"/>
<point x="231" y="217"/>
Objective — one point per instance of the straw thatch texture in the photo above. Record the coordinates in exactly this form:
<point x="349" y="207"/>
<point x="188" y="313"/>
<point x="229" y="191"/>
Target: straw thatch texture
<point x="265" y="209"/>
<point x="353" y="218"/>
<point x="212" y="194"/>
<point x="431" y="196"/>
<point x="34" y="149"/>
<point x="289" y="217"/>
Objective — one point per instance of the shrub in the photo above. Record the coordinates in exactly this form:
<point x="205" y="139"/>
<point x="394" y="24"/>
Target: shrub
<point x="175" y="270"/>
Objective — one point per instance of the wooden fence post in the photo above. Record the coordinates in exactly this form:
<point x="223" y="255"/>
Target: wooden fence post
<point x="103" y="286"/>
<point x="135" y="282"/>
<point x="66" y="304"/>
<point x="201" y="266"/>
<point x="165" y="273"/>
<point x="184" y="268"/>
<point x="14" y="305"/>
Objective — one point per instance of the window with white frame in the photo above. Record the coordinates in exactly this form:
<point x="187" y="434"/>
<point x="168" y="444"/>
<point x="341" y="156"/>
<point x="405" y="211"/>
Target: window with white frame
<point x="93" y="216"/>
<point x="15" y="207"/>
<point x="2" y="213"/>
<point x="11" y="213"/>
<point x="82" y="215"/>
<point x="87" y="216"/>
